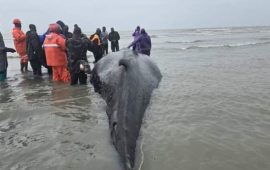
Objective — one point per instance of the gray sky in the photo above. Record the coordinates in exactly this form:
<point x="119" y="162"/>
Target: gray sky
<point x="127" y="14"/>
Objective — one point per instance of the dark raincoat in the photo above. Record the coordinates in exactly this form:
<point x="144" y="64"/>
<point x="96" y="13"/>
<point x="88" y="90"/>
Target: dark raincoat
<point x="3" y="55"/>
<point x="144" y="42"/>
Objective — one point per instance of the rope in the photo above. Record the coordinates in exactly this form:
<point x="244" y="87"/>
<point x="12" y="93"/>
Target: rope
<point x="142" y="155"/>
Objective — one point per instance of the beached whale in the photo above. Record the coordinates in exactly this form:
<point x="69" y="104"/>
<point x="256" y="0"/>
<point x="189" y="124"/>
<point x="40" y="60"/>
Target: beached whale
<point x="125" y="80"/>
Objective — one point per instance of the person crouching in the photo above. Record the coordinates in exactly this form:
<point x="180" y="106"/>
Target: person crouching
<point x="55" y="47"/>
<point x="77" y="54"/>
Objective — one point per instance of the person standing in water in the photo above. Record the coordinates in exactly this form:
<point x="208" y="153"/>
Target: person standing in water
<point x="55" y="49"/>
<point x="77" y="49"/>
<point x="114" y="38"/>
<point x="66" y="33"/>
<point x="3" y="58"/>
<point x="104" y="40"/>
<point x="96" y="41"/>
<point x="136" y="35"/>
<point x="34" y="49"/>
<point x="144" y="42"/>
<point x="19" y="39"/>
<point x="44" y="61"/>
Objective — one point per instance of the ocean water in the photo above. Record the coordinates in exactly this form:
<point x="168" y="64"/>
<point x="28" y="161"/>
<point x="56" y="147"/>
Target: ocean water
<point x="211" y="110"/>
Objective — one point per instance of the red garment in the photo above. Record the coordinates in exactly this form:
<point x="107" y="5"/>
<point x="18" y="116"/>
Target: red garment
<point x="17" y="21"/>
<point x="54" y="28"/>
<point x="55" y="47"/>
<point x="60" y="73"/>
<point x="19" y="39"/>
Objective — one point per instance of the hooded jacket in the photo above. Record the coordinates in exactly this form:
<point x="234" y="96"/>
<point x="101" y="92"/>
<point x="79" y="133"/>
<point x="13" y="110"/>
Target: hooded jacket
<point x="144" y="42"/>
<point x="114" y="36"/>
<point x="33" y="45"/>
<point x="77" y="49"/>
<point x="3" y="55"/>
<point x="136" y="36"/>
<point x="55" y="47"/>
<point x="19" y="41"/>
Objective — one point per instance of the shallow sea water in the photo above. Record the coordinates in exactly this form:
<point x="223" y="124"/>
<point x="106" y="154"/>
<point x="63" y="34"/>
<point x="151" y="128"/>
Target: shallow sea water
<point x="211" y="110"/>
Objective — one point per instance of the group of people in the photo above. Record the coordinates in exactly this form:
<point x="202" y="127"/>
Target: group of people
<point x="63" y="53"/>
<point x="101" y="39"/>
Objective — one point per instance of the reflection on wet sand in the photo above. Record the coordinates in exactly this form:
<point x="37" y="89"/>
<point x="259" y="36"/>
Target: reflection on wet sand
<point x="69" y="101"/>
<point x="46" y="125"/>
<point x="6" y="95"/>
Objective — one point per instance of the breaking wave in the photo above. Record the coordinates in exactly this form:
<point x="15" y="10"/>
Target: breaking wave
<point x="227" y="45"/>
<point x="184" y="42"/>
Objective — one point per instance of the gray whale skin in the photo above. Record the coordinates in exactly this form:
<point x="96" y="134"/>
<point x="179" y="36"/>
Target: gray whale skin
<point x="125" y="80"/>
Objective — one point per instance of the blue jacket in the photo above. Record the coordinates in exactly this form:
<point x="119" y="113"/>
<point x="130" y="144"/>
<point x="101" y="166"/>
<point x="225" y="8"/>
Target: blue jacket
<point x="43" y="36"/>
<point x="104" y="37"/>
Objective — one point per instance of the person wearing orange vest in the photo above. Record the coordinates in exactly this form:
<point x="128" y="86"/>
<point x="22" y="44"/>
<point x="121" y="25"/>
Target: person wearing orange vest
<point x="55" y="50"/>
<point x="19" y="39"/>
<point x="95" y="38"/>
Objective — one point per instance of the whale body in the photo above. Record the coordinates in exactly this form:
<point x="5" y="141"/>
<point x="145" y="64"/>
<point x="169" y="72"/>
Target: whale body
<point x="125" y="80"/>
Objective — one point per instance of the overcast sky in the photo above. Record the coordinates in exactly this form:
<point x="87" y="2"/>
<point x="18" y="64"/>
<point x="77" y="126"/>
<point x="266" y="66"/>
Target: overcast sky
<point x="127" y="14"/>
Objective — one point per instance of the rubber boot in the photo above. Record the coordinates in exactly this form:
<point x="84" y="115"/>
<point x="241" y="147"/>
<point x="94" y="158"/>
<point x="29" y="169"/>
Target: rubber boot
<point x="26" y="67"/>
<point x="22" y="65"/>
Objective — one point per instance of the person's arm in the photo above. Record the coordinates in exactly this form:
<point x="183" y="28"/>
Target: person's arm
<point x="61" y="42"/>
<point x="3" y="48"/>
<point x="19" y="36"/>
<point x="9" y="50"/>
<point x="27" y="41"/>
<point x="134" y="42"/>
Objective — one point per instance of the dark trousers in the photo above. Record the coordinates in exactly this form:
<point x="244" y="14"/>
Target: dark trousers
<point x="49" y="70"/>
<point x="105" y="49"/>
<point x="24" y="67"/>
<point x="98" y="53"/>
<point x="36" y="67"/>
<point x="115" y="46"/>
<point x="97" y="57"/>
<point x="75" y="77"/>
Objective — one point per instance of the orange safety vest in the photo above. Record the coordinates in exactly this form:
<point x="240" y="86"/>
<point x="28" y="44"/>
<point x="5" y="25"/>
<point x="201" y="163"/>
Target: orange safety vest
<point x="19" y="39"/>
<point x="55" y="47"/>
<point x="96" y="39"/>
